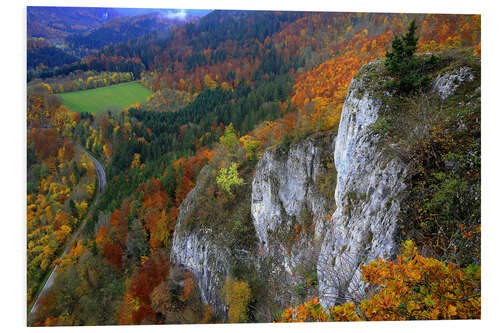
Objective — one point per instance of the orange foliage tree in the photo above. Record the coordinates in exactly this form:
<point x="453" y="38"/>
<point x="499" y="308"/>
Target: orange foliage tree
<point x="411" y="288"/>
<point x="137" y="304"/>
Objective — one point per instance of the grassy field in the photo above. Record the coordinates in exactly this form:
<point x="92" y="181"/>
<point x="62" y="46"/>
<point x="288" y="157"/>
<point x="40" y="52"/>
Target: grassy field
<point x="93" y="100"/>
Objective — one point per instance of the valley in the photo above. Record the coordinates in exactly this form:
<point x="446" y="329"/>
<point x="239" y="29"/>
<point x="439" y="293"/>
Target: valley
<point x="253" y="167"/>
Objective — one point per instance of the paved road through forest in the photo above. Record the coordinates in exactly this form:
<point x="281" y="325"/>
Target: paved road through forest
<point x="101" y="176"/>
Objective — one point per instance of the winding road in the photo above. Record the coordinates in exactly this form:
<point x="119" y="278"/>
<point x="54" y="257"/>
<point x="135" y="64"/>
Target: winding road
<point x="101" y="176"/>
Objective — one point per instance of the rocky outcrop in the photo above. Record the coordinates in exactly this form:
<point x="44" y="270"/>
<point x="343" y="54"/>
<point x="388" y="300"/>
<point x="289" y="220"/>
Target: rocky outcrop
<point x="291" y="200"/>
<point x="194" y="249"/>
<point x="294" y="192"/>
<point x="446" y="84"/>
<point x="367" y="196"/>
<point x="370" y="189"/>
<point x="290" y="207"/>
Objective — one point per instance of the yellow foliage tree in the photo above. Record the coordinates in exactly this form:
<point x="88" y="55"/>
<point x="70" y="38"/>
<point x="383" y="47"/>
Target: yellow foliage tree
<point x="136" y="162"/>
<point x="81" y="208"/>
<point x="237" y="295"/>
<point x="250" y="144"/>
<point x="90" y="189"/>
<point x="228" y="177"/>
<point x="62" y="233"/>
<point x="209" y="83"/>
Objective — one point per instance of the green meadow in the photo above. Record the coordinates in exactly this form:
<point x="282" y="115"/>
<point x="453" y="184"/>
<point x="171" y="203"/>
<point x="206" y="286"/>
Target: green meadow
<point x="93" y="100"/>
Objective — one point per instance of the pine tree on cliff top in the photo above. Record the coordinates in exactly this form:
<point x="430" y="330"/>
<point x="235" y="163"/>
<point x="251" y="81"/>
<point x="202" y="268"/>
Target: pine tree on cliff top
<point x="402" y="64"/>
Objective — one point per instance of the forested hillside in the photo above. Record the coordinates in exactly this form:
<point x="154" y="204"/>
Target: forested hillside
<point x="120" y="29"/>
<point x="234" y="165"/>
<point x="56" y="23"/>
<point x="58" y="37"/>
<point x="41" y="54"/>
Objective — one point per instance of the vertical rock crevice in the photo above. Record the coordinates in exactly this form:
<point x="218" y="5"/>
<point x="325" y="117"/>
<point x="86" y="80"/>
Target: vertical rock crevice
<point x="289" y="210"/>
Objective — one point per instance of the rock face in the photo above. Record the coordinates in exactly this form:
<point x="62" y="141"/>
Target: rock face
<point x="291" y="200"/>
<point x="295" y="190"/>
<point x="445" y="85"/>
<point x="368" y="200"/>
<point x="290" y="207"/>
<point x="194" y="249"/>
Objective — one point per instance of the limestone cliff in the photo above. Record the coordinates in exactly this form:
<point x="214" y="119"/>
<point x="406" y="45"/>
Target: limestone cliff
<point x="314" y="210"/>
<point x="194" y="249"/>
<point x="292" y="201"/>
<point x="370" y="187"/>
<point x="289" y="200"/>
<point x="368" y="199"/>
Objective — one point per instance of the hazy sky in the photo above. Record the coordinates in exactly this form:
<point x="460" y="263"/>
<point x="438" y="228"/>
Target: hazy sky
<point x="172" y="13"/>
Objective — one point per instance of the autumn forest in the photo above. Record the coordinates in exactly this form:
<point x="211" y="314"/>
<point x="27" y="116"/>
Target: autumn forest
<point x="159" y="186"/>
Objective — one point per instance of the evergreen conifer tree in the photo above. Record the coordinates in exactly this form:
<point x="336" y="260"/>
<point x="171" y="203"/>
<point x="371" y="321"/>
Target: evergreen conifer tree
<point x="407" y="72"/>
